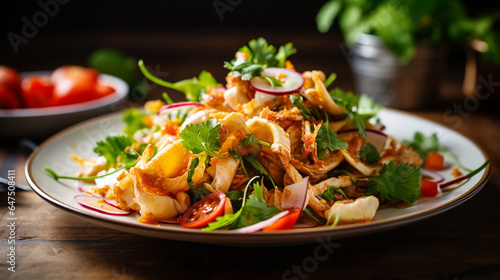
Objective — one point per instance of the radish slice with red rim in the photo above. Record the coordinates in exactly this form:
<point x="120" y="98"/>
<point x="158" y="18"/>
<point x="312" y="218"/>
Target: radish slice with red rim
<point x="177" y="106"/>
<point x="374" y="137"/>
<point x="291" y="81"/>
<point x="100" y="205"/>
<point x="431" y="176"/>
<point x="263" y="224"/>
<point x="295" y="194"/>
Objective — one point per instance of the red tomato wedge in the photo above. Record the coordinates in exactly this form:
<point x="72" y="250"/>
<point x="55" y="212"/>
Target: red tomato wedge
<point x="10" y="78"/>
<point x="434" y="161"/>
<point x="8" y="100"/>
<point x="74" y="84"/>
<point x="428" y="188"/>
<point x="204" y="211"/>
<point x="287" y="222"/>
<point x="37" y="91"/>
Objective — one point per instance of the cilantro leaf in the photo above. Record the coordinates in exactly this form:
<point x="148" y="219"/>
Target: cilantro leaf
<point x="328" y="141"/>
<point x="112" y="147"/>
<point x="369" y="154"/>
<point x="133" y="120"/>
<point x="202" y="137"/>
<point x="331" y="192"/>
<point x="360" y="109"/>
<point x="256" y="209"/>
<point x="396" y="182"/>
<point x="228" y="219"/>
<point x="307" y="112"/>
<point x="192" y="88"/>
<point x="260" y="55"/>
<point x="424" y="145"/>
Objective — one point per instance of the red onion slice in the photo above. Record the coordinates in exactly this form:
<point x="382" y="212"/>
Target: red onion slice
<point x="263" y="224"/>
<point x="178" y="105"/>
<point x="295" y="194"/>
<point x="434" y="176"/>
<point x="100" y="205"/>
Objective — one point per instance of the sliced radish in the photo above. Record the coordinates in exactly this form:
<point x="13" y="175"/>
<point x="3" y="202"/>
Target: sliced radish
<point x="291" y="81"/>
<point x="295" y="194"/>
<point x="177" y="106"/>
<point x="374" y="137"/>
<point x="100" y="205"/>
<point x="263" y="224"/>
<point x="432" y="176"/>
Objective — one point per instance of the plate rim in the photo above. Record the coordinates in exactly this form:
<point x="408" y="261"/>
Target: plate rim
<point x="302" y="236"/>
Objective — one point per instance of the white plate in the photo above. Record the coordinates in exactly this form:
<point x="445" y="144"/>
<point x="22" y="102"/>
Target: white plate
<point x="40" y="123"/>
<point x="80" y="139"/>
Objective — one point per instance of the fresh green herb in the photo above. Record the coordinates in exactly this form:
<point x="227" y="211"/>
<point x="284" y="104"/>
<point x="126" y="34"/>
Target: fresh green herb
<point x="133" y="120"/>
<point x="192" y="88"/>
<point x="255" y="209"/>
<point x="228" y="219"/>
<point x="57" y="176"/>
<point x="423" y="145"/>
<point x="202" y="137"/>
<point x="360" y="109"/>
<point x="272" y="81"/>
<point x="251" y="140"/>
<point x="369" y="154"/>
<point x="335" y="217"/>
<point x="167" y="98"/>
<point x="330" y="80"/>
<point x="200" y="192"/>
<point x="315" y="217"/>
<point x="260" y="55"/>
<point x="328" y="141"/>
<point x="259" y="168"/>
<point x="396" y="182"/>
<point x="113" y="147"/>
<point x="337" y="172"/>
<point x="308" y="112"/>
<point x="329" y="194"/>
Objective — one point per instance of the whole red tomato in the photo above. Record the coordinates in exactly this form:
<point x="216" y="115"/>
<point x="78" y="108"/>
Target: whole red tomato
<point x="74" y="84"/>
<point x="37" y="91"/>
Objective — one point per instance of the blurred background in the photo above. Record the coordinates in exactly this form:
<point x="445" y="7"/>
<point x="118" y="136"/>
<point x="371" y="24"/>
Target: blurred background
<point x="178" y="39"/>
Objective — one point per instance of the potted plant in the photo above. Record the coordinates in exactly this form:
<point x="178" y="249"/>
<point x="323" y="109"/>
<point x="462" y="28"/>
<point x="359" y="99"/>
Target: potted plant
<point x="399" y="46"/>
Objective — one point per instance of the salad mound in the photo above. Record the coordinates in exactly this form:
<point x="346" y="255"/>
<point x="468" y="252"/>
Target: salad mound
<point x="273" y="148"/>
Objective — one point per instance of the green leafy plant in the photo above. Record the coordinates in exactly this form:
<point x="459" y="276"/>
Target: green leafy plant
<point x="402" y="24"/>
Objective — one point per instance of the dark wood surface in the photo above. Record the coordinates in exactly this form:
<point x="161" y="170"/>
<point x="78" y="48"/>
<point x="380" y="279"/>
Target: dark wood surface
<point x="462" y="243"/>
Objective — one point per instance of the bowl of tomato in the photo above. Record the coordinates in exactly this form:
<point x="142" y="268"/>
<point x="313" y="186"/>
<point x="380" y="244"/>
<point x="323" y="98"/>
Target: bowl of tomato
<point x="38" y="104"/>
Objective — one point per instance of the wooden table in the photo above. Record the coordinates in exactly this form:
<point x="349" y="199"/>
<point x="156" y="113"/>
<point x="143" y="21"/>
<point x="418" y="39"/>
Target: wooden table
<point x="462" y="243"/>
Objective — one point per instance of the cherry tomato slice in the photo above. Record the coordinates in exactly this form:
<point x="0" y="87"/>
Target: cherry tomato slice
<point x="204" y="211"/>
<point x="37" y="91"/>
<point x="428" y="188"/>
<point x="287" y="222"/>
<point x="8" y="100"/>
<point x="434" y="161"/>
